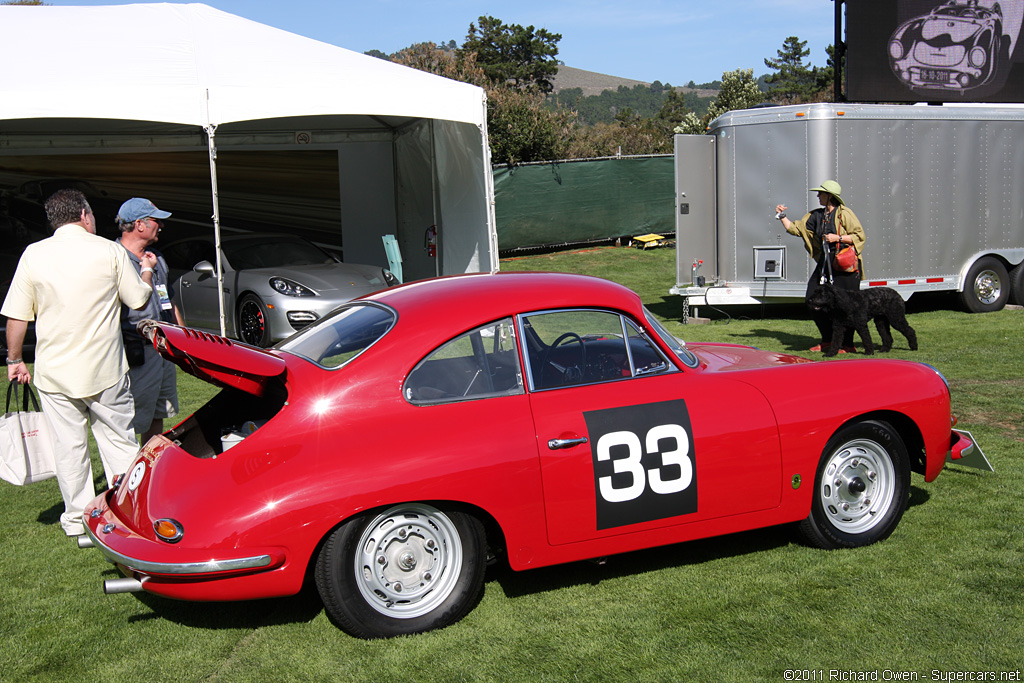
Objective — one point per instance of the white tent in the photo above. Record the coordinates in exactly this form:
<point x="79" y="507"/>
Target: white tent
<point x="412" y="147"/>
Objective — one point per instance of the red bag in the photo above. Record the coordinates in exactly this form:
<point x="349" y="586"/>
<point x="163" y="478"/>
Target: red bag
<point x="845" y="259"/>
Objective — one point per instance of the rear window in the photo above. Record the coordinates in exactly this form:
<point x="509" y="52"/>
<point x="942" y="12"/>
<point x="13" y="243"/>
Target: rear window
<point x="341" y="336"/>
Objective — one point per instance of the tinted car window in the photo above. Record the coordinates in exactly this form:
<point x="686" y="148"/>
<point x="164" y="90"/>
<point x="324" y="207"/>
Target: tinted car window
<point x="480" y="363"/>
<point x="276" y="253"/>
<point x="341" y="336"/>
<point x="185" y="255"/>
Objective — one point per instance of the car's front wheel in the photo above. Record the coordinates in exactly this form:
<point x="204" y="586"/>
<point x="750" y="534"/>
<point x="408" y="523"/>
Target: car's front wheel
<point x="861" y="487"/>
<point x="253" y="323"/>
<point x="408" y="569"/>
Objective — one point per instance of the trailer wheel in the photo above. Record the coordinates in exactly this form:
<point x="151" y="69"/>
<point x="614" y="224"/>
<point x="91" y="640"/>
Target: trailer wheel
<point x="1017" y="285"/>
<point x="987" y="286"/>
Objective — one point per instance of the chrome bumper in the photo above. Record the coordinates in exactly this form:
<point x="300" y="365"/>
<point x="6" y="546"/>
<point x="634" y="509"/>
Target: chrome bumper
<point x="176" y="568"/>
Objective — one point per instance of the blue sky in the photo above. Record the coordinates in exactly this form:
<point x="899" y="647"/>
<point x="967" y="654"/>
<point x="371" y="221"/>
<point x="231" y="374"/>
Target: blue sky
<point x="673" y="41"/>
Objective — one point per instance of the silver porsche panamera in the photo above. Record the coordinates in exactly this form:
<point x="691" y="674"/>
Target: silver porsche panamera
<point x="274" y="284"/>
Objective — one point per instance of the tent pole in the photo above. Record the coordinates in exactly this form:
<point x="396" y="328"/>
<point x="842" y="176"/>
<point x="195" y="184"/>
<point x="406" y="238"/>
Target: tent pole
<point x="492" y="232"/>
<point x="211" y="130"/>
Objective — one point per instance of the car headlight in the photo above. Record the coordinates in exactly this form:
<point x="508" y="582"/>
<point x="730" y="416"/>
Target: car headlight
<point x="389" y="277"/>
<point x="290" y="287"/>
<point x="896" y="49"/>
<point x="978" y="57"/>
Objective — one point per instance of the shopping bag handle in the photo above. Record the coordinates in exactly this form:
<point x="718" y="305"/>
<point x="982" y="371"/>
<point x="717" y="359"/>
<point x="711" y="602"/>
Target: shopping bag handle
<point x="24" y="400"/>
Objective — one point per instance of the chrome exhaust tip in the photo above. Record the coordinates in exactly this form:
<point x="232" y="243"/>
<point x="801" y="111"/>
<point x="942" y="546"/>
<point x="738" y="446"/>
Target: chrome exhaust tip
<point x="84" y="541"/>
<point x="124" y="585"/>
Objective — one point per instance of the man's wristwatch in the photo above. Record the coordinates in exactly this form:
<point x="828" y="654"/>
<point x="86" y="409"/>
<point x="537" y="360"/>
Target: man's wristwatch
<point x="780" y="215"/>
<point x="15" y="361"/>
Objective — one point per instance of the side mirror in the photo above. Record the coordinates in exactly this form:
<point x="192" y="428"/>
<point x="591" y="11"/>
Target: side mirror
<point x="204" y="267"/>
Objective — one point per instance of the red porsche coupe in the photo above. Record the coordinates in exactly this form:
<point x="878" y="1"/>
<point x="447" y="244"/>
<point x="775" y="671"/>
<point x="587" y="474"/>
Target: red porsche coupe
<point x="392" y="448"/>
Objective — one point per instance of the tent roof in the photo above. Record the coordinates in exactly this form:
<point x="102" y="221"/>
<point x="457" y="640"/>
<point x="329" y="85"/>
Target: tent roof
<point x="191" y="64"/>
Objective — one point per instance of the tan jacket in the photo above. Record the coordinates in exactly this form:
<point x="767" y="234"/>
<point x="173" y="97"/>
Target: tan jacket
<point x="846" y="222"/>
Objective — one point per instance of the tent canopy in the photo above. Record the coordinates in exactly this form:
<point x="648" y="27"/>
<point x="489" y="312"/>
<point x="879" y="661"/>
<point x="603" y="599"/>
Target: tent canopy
<point x="411" y="147"/>
<point x="202" y="66"/>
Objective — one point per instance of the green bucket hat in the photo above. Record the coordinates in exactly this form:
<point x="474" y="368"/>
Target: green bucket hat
<point x="832" y="187"/>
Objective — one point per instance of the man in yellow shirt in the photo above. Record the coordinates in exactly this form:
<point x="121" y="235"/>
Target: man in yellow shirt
<point x="72" y="285"/>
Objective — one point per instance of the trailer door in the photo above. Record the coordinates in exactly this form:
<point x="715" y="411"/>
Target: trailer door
<point x="695" y="206"/>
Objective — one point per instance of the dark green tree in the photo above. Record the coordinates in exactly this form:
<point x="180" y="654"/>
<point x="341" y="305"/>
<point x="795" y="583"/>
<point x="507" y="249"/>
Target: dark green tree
<point x="509" y="53"/>
<point x="793" y="81"/>
<point x="673" y="110"/>
<point x="520" y="127"/>
<point x="825" y="75"/>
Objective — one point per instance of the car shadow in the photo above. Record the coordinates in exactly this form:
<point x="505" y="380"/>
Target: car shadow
<point x="301" y="608"/>
<point x="593" y="572"/>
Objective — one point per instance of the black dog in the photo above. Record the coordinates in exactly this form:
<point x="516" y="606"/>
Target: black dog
<point x="853" y="308"/>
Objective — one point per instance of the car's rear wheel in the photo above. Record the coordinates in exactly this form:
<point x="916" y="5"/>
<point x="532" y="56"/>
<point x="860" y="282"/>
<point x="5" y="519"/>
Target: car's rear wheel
<point x="861" y="487"/>
<point x="253" y="321"/>
<point x="408" y="569"/>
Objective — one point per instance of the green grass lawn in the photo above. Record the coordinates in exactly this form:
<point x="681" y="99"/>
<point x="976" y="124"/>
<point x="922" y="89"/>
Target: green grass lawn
<point x="945" y="593"/>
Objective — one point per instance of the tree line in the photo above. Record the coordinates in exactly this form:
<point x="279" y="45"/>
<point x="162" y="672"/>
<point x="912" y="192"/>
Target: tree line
<point x="526" y="122"/>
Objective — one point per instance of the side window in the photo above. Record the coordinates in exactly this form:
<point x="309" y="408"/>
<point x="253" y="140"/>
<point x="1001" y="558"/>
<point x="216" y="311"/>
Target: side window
<point x="478" y="364"/>
<point x="570" y="348"/>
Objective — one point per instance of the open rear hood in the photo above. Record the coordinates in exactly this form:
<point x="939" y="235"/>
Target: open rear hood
<point x="215" y="359"/>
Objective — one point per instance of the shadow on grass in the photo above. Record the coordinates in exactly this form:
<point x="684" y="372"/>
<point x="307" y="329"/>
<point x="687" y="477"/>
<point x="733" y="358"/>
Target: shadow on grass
<point x="248" y="614"/>
<point x="51" y="515"/>
<point x="640" y="561"/>
<point x="787" y="340"/>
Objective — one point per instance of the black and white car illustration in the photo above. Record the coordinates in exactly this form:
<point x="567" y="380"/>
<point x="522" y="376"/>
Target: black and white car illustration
<point x="959" y="46"/>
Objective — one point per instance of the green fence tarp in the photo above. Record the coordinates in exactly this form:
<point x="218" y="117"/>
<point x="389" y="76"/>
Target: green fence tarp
<point x="583" y="201"/>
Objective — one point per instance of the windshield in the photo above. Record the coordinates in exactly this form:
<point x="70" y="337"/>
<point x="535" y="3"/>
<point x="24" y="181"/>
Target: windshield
<point x="677" y="345"/>
<point x="276" y="252"/>
<point x="343" y="335"/>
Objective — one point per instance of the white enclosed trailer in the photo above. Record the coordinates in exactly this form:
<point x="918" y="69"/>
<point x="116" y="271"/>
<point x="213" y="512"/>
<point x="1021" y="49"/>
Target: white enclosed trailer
<point x="938" y="189"/>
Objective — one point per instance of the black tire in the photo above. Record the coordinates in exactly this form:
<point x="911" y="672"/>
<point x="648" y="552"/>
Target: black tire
<point x="253" y="321"/>
<point x="861" y="487"/>
<point x="986" y="288"/>
<point x="407" y="569"/>
<point x="1017" y="285"/>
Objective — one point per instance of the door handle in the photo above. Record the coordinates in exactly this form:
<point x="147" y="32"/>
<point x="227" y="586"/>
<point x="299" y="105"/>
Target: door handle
<point x="556" y="444"/>
<point x="185" y="283"/>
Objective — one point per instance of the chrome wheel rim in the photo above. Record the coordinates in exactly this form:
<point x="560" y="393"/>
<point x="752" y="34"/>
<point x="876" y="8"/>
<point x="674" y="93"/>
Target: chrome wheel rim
<point x="987" y="287"/>
<point x="857" y="486"/>
<point x="408" y="561"/>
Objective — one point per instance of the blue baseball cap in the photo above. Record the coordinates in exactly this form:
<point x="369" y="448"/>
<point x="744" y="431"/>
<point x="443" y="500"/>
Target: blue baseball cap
<point x="137" y="208"/>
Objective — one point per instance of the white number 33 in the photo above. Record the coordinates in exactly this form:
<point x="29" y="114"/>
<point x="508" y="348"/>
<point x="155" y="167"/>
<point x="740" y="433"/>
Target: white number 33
<point x="633" y="465"/>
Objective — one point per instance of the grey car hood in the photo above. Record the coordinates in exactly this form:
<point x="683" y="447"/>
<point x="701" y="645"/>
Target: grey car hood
<point x="348" y="279"/>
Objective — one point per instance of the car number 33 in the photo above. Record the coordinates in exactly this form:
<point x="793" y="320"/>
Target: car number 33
<point x="644" y="465"/>
<point x="633" y="465"/>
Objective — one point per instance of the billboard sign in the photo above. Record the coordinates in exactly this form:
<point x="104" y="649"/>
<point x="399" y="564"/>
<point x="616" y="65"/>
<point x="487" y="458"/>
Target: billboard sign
<point x="934" y="50"/>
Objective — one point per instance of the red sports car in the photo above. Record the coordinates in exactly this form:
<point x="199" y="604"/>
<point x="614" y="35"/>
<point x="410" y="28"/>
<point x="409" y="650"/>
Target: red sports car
<point x="395" y="446"/>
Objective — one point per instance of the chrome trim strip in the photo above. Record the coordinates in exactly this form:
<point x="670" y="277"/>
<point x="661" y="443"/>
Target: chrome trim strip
<point x="210" y="566"/>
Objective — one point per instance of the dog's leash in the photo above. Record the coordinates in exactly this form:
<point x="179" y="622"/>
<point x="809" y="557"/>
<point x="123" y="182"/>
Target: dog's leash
<point x="827" y="263"/>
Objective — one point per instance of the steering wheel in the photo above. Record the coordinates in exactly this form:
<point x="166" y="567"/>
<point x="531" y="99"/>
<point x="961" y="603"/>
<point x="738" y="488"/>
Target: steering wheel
<point x="567" y="373"/>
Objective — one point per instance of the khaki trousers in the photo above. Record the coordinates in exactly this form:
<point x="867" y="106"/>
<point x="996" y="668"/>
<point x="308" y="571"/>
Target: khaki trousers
<point x="109" y="414"/>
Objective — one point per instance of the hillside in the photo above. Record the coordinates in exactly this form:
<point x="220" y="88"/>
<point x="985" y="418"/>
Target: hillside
<point x="593" y="83"/>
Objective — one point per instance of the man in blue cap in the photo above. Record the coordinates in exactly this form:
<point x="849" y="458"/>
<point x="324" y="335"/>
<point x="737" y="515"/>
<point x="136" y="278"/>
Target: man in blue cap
<point x="153" y="379"/>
